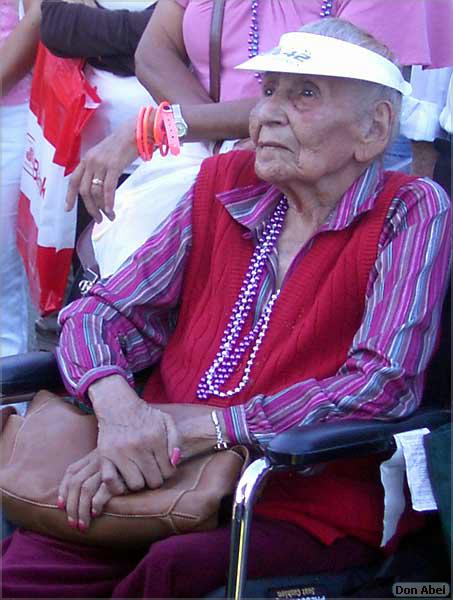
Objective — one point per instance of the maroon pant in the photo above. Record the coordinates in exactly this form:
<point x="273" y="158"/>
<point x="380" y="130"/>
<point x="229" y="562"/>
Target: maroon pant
<point x="189" y="566"/>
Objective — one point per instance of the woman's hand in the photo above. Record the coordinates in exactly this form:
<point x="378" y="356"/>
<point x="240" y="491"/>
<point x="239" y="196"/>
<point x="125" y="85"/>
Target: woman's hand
<point x="82" y="492"/>
<point x="135" y="440"/>
<point x="96" y="176"/>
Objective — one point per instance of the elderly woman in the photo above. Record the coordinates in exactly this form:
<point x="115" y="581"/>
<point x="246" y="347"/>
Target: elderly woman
<point x="294" y="285"/>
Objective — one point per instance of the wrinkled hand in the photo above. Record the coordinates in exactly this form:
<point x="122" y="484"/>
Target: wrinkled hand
<point x="82" y="492"/>
<point x="135" y="440"/>
<point x="96" y="176"/>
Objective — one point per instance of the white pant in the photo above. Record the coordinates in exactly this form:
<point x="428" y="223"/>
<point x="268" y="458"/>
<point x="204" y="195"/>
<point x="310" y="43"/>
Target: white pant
<point x="13" y="287"/>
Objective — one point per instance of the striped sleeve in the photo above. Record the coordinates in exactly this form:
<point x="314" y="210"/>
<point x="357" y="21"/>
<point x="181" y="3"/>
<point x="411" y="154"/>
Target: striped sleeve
<point x="123" y="324"/>
<point x="382" y="376"/>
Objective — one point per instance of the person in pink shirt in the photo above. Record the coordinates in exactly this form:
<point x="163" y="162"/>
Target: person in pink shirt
<point x="18" y="41"/>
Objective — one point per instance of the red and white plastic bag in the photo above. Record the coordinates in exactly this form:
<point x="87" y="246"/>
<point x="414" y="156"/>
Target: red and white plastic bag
<point x="61" y="103"/>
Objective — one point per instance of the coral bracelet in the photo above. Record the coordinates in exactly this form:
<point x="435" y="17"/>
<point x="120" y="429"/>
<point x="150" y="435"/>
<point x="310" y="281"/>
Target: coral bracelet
<point x="164" y="131"/>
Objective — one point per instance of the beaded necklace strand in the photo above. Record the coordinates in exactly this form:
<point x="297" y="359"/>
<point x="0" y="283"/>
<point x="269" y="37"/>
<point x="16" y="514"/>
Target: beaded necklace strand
<point x="231" y="349"/>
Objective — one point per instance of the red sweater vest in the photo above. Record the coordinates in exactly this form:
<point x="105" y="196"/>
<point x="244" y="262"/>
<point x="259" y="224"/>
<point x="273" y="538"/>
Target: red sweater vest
<point x="311" y="329"/>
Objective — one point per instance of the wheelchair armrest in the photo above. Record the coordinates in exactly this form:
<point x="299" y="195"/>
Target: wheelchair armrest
<point x="323" y="442"/>
<point x="24" y="374"/>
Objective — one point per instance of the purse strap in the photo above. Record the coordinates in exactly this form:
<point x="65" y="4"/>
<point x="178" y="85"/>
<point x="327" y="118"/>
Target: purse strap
<point x="215" y="43"/>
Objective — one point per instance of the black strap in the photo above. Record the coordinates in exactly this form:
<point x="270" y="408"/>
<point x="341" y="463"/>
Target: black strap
<point x="215" y="46"/>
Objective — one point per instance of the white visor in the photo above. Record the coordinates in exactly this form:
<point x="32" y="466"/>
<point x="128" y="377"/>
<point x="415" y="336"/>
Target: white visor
<point x="312" y="54"/>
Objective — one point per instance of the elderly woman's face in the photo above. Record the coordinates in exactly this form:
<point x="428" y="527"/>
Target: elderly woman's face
<point x="305" y="127"/>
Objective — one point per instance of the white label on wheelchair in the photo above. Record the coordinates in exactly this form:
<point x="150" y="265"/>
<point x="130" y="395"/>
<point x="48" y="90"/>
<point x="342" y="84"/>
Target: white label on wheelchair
<point x="306" y="592"/>
<point x="409" y="460"/>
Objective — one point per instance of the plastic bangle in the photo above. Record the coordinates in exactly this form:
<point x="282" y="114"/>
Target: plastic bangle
<point x="147" y="147"/>
<point x="164" y="131"/>
<point x="139" y="133"/>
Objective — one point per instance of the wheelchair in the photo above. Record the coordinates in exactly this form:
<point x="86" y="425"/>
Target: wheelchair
<point x="297" y="450"/>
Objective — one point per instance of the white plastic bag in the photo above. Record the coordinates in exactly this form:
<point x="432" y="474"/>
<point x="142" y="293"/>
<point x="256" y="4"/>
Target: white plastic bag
<point x="144" y="201"/>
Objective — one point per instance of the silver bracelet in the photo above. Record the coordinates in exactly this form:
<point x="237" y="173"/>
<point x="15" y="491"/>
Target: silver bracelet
<point x="220" y="444"/>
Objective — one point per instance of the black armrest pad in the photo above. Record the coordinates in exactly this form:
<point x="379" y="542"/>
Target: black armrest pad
<point x="322" y="442"/>
<point x="26" y="373"/>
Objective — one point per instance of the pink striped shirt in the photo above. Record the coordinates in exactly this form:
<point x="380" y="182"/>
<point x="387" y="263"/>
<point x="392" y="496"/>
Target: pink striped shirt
<point x="123" y="325"/>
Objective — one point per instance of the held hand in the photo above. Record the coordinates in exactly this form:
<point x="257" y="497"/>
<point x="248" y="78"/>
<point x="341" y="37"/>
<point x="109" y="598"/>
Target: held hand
<point x="82" y="492"/>
<point x="139" y="447"/>
<point x="96" y="176"/>
<point x="135" y="440"/>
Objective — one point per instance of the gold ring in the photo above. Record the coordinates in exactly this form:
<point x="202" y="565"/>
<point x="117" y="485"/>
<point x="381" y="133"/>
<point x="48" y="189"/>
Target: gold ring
<point x="97" y="181"/>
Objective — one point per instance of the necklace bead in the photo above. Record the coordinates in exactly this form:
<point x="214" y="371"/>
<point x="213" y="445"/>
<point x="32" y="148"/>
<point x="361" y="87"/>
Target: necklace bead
<point x="232" y="350"/>
<point x="326" y="8"/>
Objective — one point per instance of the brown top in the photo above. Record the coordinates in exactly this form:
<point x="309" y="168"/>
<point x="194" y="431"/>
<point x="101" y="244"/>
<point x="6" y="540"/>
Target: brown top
<point x="106" y="38"/>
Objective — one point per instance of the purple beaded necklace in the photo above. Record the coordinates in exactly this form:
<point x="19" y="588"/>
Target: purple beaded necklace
<point x="254" y="35"/>
<point x="231" y="349"/>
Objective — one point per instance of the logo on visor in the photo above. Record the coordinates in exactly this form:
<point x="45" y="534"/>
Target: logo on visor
<point x="292" y="55"/>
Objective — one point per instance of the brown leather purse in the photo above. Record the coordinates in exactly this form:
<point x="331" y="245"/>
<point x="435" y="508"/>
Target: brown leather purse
<point x="36" y="450"/>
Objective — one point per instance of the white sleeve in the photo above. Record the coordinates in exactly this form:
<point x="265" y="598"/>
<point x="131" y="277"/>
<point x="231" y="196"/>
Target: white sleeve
<point x="421" y="111"/>
<point x="445" y="118"/>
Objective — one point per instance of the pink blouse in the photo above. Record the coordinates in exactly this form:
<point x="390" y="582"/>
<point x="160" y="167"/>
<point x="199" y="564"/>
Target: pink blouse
<point x="418" y="32"/>
<point x="9" y="18"/>
<point x="275" y="17"/>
